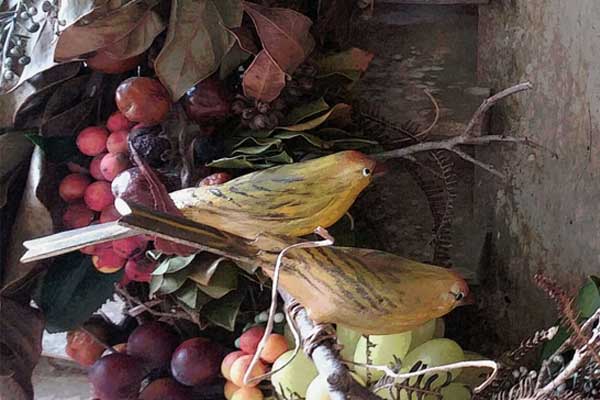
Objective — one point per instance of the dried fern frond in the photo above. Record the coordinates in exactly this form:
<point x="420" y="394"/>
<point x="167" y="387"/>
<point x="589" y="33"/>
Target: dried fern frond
<point x="419" y="387"/>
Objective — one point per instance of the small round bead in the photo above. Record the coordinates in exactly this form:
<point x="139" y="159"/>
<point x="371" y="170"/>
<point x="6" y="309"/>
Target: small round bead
<point x="279" y="317"/>
<point x="32" y="11"/>
<point x="46" y="6"/>
<point x="24" y="60"/>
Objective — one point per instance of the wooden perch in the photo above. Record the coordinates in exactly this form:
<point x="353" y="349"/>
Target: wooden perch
<point x="327" y="359"/>
<point x="468" y="137"/>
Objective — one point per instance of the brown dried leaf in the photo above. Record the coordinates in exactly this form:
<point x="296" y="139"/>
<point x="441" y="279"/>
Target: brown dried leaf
<point x="15" y="150"/>
<point x="196" y="42"/>
<point x="11" y="102"/>
<point x="33" y="220"/>
<point x="21" y="329"/>
<point x="284" y="34"/>
<point x="101" y="28"/>
<point x="140" y="39"/>
<point x="245" y="39"/>
<point x="263" y="80"/>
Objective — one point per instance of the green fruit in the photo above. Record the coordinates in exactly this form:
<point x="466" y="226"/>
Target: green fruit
<point x="383" y="350"/>
<point x="434" y="353"/>
<point x="319" y="389"/>
<point x="347" y="338"/>
<point x="293" y="380"/>
<point x="423" y="333"/>
<point x="473" y="377"/>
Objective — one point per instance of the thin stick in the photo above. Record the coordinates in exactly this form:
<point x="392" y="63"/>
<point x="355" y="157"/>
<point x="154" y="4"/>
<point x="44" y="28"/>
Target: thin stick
<point x="328" y="241"/>
<point x="467" y="137"/>
<point x="436" y="118"/>
<point x="490" y="101"/>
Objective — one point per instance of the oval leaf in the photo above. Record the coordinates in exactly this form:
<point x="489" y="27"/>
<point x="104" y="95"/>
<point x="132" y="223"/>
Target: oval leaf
<point x="263" y="80"/>
<point x="284" y="34"/>
<point x="223" y="312"/>
<point x="196" y="42"/>
<point x="340" y="111"/>
<point x="100" y="29"/>
<point x="140" y="39"/>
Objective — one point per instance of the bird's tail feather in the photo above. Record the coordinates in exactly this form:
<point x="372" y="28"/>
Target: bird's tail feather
<point x="65" y="242"/>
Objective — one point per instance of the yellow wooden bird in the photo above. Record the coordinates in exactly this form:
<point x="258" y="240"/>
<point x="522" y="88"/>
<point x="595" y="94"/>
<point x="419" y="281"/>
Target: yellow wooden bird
<point x="369" y="291"/>
<point x="291" y="200"/>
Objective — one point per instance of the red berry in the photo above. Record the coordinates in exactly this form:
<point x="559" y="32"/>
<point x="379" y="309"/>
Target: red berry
<point x="140" y="269"/>
<point x="73" y="186"/>
<point x="113" y="164"/>
<point x="77" y="215"/>
<point x="130" y="247"/>
<point x="94" y="249"/>
<point x="95" y="167"/>
<point x="92" y="140"/>
<point x="215" y="179"/>
<point x="107" y="261"/>
<point x="143" y="99"/>
<point x="98" y="196"/>
<point x="109" y="214"/>
<point x="117" y="142"/>
<point x="250" y="339"/>
<point x="117" y="122"/>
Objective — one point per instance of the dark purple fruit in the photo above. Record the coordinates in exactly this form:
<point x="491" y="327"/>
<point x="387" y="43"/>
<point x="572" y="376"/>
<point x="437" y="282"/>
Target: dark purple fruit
<point x="165" y="388"/>
<point x="153" y="343"/>
<point x="196" y="361"/>
<point x="150" y="145"/>
<point x="116" y="377"/>
<point x="207" y="102"/>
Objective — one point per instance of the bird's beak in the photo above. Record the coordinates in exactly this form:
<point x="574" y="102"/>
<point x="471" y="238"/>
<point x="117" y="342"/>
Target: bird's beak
<point x="380" y="170"/>
<point x="469" y="300"/>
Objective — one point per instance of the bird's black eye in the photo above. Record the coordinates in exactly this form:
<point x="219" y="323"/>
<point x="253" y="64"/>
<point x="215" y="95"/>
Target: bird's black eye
<point x="366" y="171"/>
<point x="459" y="296"/>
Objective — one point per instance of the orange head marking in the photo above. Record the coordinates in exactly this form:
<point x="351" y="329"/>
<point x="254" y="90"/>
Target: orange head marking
<point x="362" y="162"/>
<point x="460" y="291"/>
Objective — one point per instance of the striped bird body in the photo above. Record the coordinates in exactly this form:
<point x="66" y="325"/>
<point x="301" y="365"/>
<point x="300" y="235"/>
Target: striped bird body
<point x="369" y="291"/>
<point x="291" y="200"/>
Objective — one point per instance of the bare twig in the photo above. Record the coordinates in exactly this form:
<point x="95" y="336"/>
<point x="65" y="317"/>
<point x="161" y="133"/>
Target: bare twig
<point x="467" y="137"/>
<point x="327" y="360"/>
<point x="148" y="308"/>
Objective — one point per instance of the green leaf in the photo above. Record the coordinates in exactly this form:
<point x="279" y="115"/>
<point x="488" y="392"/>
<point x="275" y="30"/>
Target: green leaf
<point x="73" y="290"/>
<point x="263" y="145"/>
<point x="57" y="148"/>
<point x="224" y="312"/>
<point x="587" y="302"/>
<point x="155" y="283"/>
<point x="204" y="267"/>
<point x="305" y="111"/>
<point x="340" y="110"/>
<point x="16" y="150"/>
<point x="312" y="139"/>
<point x="223" y="281"/>
<point x="238" y="162"/>
<point x="173" y="264"/>
<point x="189" y="295"/>
<point x="172" y="282"/>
